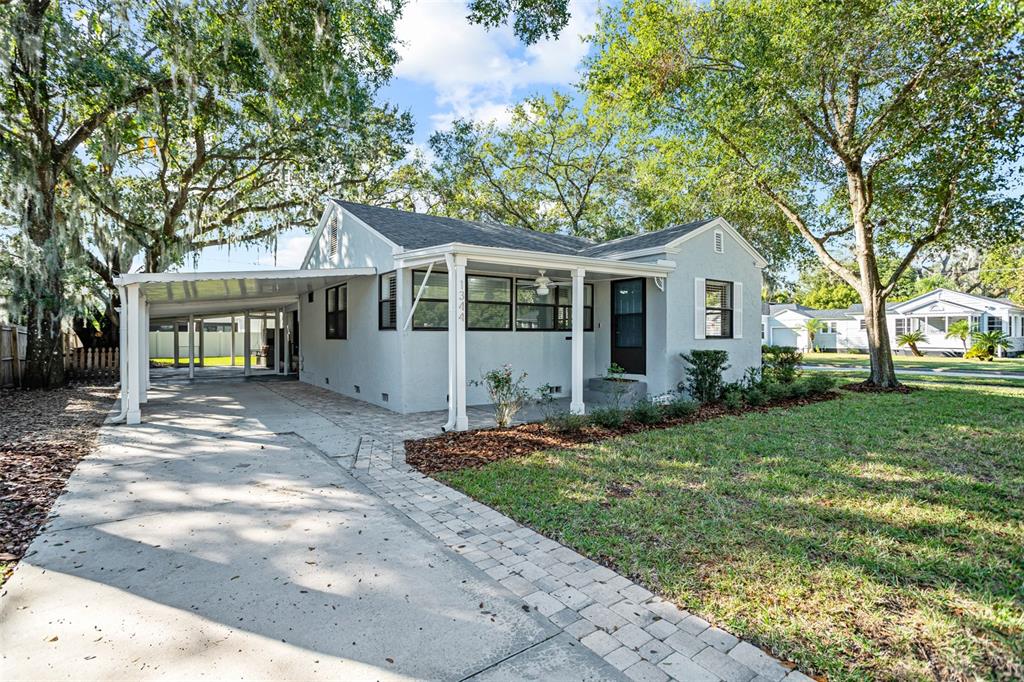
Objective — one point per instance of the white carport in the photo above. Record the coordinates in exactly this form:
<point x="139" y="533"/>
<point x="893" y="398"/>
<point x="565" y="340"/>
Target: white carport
<point x="147" y="295"/>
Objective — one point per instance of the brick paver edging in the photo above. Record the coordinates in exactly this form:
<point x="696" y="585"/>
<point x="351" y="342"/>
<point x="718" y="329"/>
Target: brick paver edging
<point x="644" y="636"/>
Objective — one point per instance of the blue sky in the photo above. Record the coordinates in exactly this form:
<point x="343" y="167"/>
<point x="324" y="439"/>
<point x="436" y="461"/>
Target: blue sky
<point x="449" y="69"/>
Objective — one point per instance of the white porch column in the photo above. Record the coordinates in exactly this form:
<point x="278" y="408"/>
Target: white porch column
<point x="176" y="353"/>
<point x="130" y="327"/>
<point x="278" y="341"/>
<point x="143" y="349"/>
<point x="232" y="340"/>
<point x="576" y="406"/>
<point x="246" y="343"/>
<point x="191" y="346"/>
<point x="288" y="342"/>
<point x="459" y="291"/>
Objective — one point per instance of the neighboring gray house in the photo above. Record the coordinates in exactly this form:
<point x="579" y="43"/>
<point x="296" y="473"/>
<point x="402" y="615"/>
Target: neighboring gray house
<point x="373" y="317"/>
<point x="932" y="313"/>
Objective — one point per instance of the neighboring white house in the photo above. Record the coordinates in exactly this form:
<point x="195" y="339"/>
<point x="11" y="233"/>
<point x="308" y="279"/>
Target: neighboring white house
<point x="372" y="308"/>
<point x="932" y="313"/>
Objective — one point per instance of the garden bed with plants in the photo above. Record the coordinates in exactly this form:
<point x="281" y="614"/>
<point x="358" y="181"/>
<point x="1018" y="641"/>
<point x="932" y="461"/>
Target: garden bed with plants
<point x="703" y="396"/>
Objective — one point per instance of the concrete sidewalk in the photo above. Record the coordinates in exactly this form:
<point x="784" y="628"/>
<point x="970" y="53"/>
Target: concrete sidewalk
<point x="210" y="542"/>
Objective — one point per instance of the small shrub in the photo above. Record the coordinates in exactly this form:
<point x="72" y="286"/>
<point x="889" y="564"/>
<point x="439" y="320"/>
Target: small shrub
<point x="774" y="391"/>
<point x="646" y="412"/>
<point x="680" y="408"/>
<point x="755" y="396"/>
<point x="732" y="396"/>
<point x="780" y="363"/>
<point x="616" y="375"/>
<point x="608" y="417"/>
<point x="703" y="380"/>
<point x="547" y="401"/>
<point x="819" y="384"/>
<point x="565" y="422"/>
<point x="800" y="388"/>
<point x="507" y="392"/>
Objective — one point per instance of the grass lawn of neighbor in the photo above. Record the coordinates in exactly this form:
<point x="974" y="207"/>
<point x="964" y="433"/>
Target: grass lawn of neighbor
<point x="909" y="376"/>
<point x="909" y="362"/>
<point x="877" y="536"/>
<point x="210" y="361"/>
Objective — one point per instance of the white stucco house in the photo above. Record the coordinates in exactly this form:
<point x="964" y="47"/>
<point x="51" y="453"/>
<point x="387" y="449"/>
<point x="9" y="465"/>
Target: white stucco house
<point x="406" y="310"/>
<point x="933" y="313"/>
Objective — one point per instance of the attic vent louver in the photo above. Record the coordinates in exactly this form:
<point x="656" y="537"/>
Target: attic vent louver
<point x="719" y="242"/>
<point x="333" y="235"/>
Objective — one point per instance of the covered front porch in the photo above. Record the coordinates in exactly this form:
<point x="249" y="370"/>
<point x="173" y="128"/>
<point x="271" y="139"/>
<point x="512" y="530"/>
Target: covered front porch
<point x="600" y="311"/>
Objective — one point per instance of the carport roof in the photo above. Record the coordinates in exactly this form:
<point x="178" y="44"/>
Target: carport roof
<point x="175" y="293"/>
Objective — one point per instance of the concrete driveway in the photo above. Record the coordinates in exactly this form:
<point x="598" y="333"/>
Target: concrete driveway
<point x="213" y="541"/>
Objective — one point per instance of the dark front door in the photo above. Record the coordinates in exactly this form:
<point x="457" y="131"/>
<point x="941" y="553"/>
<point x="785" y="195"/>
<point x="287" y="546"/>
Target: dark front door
<point x="629" y="325"/>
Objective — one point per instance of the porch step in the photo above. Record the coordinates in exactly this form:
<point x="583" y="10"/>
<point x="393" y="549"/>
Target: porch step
<point x="601" y="390"/>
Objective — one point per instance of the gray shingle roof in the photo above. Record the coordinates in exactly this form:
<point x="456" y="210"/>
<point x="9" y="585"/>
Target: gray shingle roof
<point x="645" y="240"/>
<point x="420" y="230"/>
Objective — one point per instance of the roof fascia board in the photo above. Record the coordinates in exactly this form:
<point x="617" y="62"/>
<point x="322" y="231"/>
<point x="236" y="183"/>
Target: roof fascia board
<point x="536" y="259"/>
<point x="147" y="277"/>
<point x="331" y="206"/>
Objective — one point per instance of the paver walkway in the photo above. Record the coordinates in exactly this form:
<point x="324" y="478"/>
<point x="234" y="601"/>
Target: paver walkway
<point x="216" y="539"/>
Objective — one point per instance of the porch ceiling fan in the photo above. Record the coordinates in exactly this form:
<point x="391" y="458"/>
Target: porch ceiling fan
<point x="541" y="283"/>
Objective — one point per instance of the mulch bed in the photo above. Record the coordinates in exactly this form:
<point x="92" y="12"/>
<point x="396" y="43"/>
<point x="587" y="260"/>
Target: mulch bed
<point x="43" y="434"/>
<point x="468" y="449"/>
<point x="865" y="387"/>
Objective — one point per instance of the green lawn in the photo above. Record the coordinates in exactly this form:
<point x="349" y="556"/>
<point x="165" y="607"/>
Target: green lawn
<point x="998" y="365"/>
<point x="211" y="361"/>
<point x="909" y="376"/>
<point x="876" y="536"/>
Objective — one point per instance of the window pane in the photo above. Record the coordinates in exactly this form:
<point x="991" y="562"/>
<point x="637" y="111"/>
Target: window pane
<point x="387" y="314"/>
<point x="342" y="297"/>
<point x="588" y="318"/>
<point x="535" y="317"/>
<point x="431" y="315"/>
<point x="629" y="330"/>
<point x="718" y="324"/>
<point x="936" y="325"/>
<point x="332" y="326"/>
<point x="994" y="324"/>
<point x="489" y="315"/>
<point x="332" y="300"/>
<point x="489" y="289"/>
<point x="588" y="294"/>
<point x="437" y="285"/>
<point x="718" y="294"/>
<point x="527" y="293"/>
<point x="628" y="297"/>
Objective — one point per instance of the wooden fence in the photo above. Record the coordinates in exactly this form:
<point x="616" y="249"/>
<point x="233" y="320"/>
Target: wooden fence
<point x="13" y="344"/>
<point x="92" y="363"/>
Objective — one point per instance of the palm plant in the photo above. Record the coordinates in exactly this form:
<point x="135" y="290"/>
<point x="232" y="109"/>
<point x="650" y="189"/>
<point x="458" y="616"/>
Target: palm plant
<point x="812" y="326"/>
<point x="987" y="344"/>
<point x="961" y="329"/>
<point x="911" y="339"/>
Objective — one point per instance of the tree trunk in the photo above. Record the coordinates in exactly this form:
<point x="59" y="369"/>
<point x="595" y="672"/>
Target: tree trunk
<point x="883" y="371"/>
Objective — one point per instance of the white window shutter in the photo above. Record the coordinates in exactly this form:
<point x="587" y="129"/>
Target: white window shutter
<point x="737" y="310"/>
<point x="699" y="312"/>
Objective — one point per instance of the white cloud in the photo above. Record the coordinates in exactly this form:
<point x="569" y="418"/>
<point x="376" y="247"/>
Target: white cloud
<point x="475" y="72"/>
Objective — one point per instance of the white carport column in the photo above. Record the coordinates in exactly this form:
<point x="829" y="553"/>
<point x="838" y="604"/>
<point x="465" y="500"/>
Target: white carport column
<point x="577" y="406"/>
<point x="143" y="349"/>
<point x="461" y="419"/>
<point x="130" y="328"/>
<point x="233" y="320"/>
<point x="191" y="346"/>
<point x="246" y="343"/>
